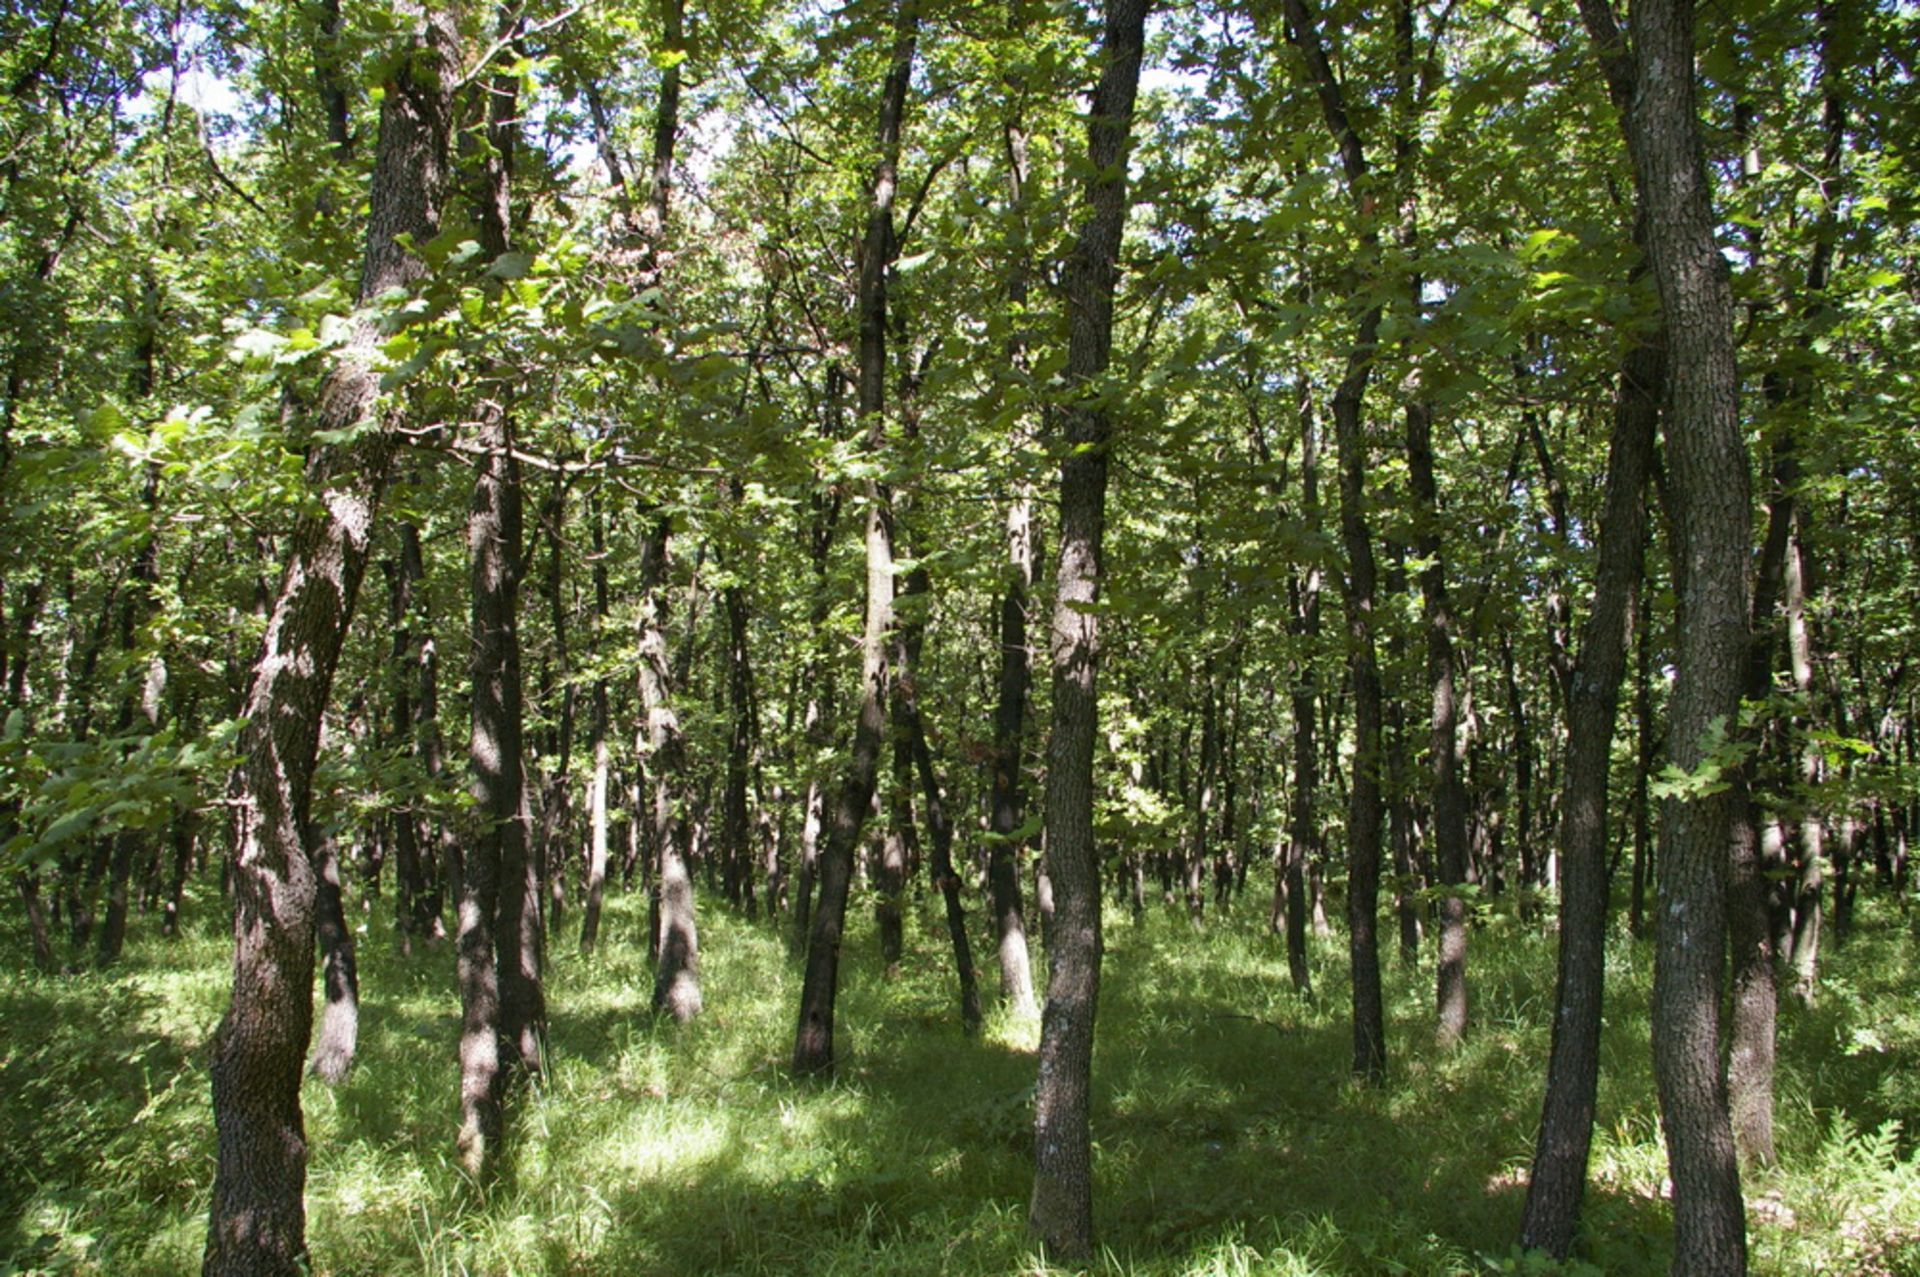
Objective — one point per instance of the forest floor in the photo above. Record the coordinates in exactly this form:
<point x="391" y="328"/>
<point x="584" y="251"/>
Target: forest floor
<point x="1229" y="1140"/>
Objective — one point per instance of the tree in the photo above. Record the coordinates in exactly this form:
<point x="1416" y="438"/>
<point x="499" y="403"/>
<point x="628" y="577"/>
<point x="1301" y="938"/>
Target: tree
<point x="1060" y="1213"/>
<point x="258" y="1219"/>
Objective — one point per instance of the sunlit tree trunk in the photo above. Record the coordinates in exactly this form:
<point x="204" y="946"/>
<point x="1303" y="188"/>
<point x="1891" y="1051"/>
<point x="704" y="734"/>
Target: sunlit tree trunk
<point x="257" y="1220"/>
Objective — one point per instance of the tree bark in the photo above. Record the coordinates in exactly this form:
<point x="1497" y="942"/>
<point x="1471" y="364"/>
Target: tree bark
<point x="1709" y="503"/>
<point x="339" y="1035"/>
<point x="257" y="1221"/>
<point x="1060" y="1213"/>
<point x="1557" y="1185"/>
<point x="676" y="933"/>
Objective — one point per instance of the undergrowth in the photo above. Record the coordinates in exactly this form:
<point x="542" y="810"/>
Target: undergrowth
<point x="1228" y="1138"/>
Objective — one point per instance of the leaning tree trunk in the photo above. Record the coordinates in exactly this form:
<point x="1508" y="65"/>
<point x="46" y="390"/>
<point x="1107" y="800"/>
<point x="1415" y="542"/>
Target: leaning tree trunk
<point x="1060" y="1213"/>
<point x="257" y="1220"/>
<point x="1557" y="1185"/>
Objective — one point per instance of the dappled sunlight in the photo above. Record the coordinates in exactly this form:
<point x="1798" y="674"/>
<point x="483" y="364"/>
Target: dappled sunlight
<point x="1229" y="1139"/>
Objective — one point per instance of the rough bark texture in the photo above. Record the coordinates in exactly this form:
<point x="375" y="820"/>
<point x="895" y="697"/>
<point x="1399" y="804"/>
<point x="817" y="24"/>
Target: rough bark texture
<point x="339" y="1035"/>
<point x="257" y="1221"/>
<point x="676" y="934"/>
<point x="1007" y="801"/>
<point x="1709" y="503"/>
<point x="1060" y="1213"/>
<point x="1557" y="1184"/>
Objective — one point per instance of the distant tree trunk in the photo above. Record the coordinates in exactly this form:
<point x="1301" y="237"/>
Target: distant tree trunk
<point x="813" y="1038"/>
<point x="1060" y="1213"/>
<point x="1364" y="805"/>
<point x="1557" y="1184"/>
<point x="906" y="710"/>
<point x="1304" y="625"/>
<point x="556" y="788"/>
<point x="1007" y="801"/>
<point x="258" y="1220"/>
<point x="1643" y="769"/>
<point x="675" y="933"/>
<point x="736" y="829"/>
<point x="602" y="766"/>
<point x="138" y="702"/>
<point x="1708" y="495"/>
<point x="410" y="886"/>
<point x="334" y="1045"/>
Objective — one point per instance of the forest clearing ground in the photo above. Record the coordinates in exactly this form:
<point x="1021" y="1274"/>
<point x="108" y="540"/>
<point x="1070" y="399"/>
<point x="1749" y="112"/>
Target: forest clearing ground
<point x="1228" y="1139"/>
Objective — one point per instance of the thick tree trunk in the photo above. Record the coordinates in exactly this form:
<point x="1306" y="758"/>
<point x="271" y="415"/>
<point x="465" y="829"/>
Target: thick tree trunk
<point x="257" y="1220"/>
<point x="1060" y="1213"/>
<point x="496" y="544"/>
<point x="1708" y="496"/>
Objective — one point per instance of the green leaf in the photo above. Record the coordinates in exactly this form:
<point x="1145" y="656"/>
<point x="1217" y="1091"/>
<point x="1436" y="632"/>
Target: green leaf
<point x="513" y="265"/>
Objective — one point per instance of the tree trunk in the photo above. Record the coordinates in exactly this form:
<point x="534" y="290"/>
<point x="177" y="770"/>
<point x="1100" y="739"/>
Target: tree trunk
<point x="333" y="1048"/>
<point x="1364" y="805"/>
<point x="1557" y="1184"/>
<point x="257" y="1220"/>
<point x="906" y="709"/>
<point x="675" y="931"/>
<point x="813" y="1038"/>
<point x="602" y="766"/>
<point x="1708" y="496"/>
<point x="1060" y="1213"/>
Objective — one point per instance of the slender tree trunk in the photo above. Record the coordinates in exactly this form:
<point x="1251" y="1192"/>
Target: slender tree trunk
<point x="813" y="1037"/>
<point x="1305" y="625"/>
<point x="1008" y="801"/>
<point x="1557" y="1185"/>
<point x="602" y="765"/>
<point x="1364" y="805"/>
<point x="257" y="1220"/>
<point x="1060" y="1213"/>
<point x="906" y="709"/>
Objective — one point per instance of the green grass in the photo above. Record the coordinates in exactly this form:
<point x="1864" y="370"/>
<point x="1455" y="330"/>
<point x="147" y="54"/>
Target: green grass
<point x="1228" y="1138"/>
